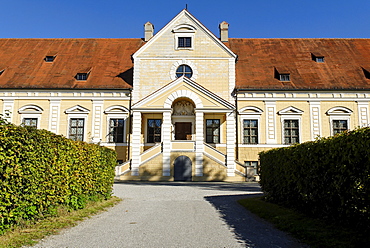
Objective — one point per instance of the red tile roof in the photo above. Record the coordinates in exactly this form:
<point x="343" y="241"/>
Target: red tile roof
<point x="259" y="59"/>
<point x="107" y="60"/>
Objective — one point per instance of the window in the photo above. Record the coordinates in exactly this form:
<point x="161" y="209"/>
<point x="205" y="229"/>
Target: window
<point x="184" y="42"/>
<point x="339" y="126"/>
<point x="319" y="59"/>
<point x="30" y="122"/>
<point x="2" y="71"/>
<point x="184" y="70"/>
<point x="49" y="58"/>
<point x="291" y="132"/>
<point x="284" y="77"/>
<point x="253" y="165"/>
<point x="81" y="76"/>
<point x="213" y="130"/>
<point x="154" y="130"/>
<point x="116" y="130"/>
<point x="76" y="128"/>
<point x="250" y="131"/>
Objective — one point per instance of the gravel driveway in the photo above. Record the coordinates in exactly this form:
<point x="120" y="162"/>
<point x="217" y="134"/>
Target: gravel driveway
<point x="175" y="214"/>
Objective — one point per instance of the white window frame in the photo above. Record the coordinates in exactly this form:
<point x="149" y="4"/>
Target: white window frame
<point x="339" y="113"/>
<point x="184" y="30"/>
<point x="77" y="112"/>
<point x="291" y="113"/>
<point x="31" y="111"/>
<point x="250" y="113"/>
<point x="116" y="112"/>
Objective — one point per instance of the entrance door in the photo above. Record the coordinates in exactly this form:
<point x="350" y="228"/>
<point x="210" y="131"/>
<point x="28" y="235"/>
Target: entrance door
<point x="182" y="169"/>
<point x="183" y="131"/>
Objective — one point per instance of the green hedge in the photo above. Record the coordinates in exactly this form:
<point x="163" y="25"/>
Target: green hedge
<point x="40" y="171"/>
<point x="328" y="178"/>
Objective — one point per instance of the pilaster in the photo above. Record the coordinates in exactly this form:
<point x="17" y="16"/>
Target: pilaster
<point x="54" y="116"/>
<point x="8" y="109"/>
<point x="136" y="142"/>
<point x="315" y="121"/>
<point x="199" y="143"/>
<point x="270" y="122"/>
<point x="363" y="113"/>
<point x="230" y="144"/>
<point x="97" y="121"/>
<point x="166" y="141"/>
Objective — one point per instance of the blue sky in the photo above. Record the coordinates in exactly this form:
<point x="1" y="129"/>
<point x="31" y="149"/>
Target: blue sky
<point x="125" y="19"/>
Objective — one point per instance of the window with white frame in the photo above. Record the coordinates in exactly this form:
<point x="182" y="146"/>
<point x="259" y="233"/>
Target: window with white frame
<point x="250" y="131"/>
<point x="339" y="118"/>
<point x="30" y="115"/>
<point x="77" y="119"/>
<point x="116" y="122"/>
<point x="253" y="165"/>
<point x="250" y="125"/>
<point x="213" y="131"/>
<point x="116" y="130"/>
<point x="291" y="125"/>
<point x="184" y="36"/>
<point x="76" y="129"/>
<point x="154" y="128"/>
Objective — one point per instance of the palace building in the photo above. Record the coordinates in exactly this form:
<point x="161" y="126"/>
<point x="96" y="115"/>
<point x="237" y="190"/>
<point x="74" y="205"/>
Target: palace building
<point x="184" y="104"/>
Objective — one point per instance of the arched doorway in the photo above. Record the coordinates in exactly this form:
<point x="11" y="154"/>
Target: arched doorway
<point x="182" y="169"/>
<point x="183" y="117"/>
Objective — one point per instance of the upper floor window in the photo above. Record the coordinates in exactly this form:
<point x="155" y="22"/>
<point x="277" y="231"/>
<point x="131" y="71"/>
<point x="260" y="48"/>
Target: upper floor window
<point x="30" y="122"/>
<point x="250" y="131"/>
<point x="184" y="42"/>
<point x="339" y="126"/>
<point x="154" y="130"/>
<point x="291" y="132"/>
<point x="76" y="128"/>
<point x="184" y="70"/>
<point x="213" y="130"/>
<point x="116" y="130"/>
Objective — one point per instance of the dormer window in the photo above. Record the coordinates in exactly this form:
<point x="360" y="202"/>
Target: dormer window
<point x="366" y="73"/>
<point x="184" y="42"/>
<point x="317" y="58"/>
<point x="82" y="76"/>
<point x="284" y="77"/>
<point x="2" y="71"/>
<point x="49" y="58"/>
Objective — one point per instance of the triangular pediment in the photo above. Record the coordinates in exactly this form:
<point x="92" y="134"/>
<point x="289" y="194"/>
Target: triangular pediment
<point x="187" y="89"/>
<point x="290" y="111"/>
<point x="165" y="42"/>
<point x="77" y="110"/>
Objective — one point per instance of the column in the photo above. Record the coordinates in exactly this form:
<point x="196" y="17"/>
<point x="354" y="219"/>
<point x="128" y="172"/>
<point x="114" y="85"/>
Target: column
<point x="230" y="144"/>
<point x="166" y="142"/>
<point x="315" y="119"/>
<point x="54" y="116"/>
<point x="136" y="142"/>
<point x="199" y="143"/>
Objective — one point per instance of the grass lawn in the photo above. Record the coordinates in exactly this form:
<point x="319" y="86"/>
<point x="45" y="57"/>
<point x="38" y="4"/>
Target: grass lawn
<point x="313" y="232"/>
<point x="30" y="233"/>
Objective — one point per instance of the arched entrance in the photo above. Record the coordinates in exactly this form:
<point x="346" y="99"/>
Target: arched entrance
<point x="183" y="117"/>
<point x="182" y="169"/>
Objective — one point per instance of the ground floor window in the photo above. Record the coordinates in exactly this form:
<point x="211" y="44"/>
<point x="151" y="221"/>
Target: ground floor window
<point x="154" y="130"/>
<point x="30" y="122"/>
<point x="250" y="131"/>
<point x="339" y="126"/>
<point x="291" y="132"/>
<point x="252" y="164"/>
<point x="116" y="130"/>
<point x="76" y="128"/>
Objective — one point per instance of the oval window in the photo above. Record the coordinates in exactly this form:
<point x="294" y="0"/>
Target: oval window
<point x="184" y="70"/>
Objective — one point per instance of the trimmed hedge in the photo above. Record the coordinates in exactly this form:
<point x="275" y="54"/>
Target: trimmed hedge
<point x="40" y="171"/>
<point x="327" y="178"/>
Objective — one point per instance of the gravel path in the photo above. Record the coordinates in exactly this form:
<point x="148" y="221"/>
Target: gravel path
<point x="175" y="215"/>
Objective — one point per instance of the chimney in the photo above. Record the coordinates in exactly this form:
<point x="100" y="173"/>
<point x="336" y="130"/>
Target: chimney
<point x="149" y="30"/>
<point x="224" y="31"/>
